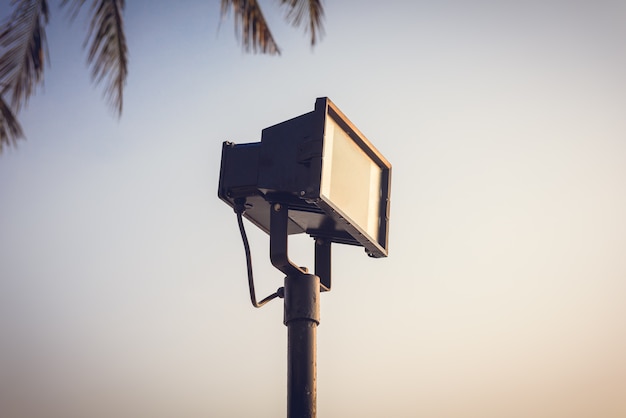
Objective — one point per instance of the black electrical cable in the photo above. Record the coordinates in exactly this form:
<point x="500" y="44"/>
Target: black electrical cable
<point x="240" y="208"/>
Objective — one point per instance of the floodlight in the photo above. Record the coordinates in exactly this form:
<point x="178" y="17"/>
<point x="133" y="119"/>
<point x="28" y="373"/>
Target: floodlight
<point x="314" y="174"/>
<point x="335" y="184"/>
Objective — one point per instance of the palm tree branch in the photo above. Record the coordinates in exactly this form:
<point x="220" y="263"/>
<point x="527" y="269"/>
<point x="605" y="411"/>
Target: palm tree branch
<point x="24" y="51"/>
<point x="309" y="11"/>
<point x="251" y="26"/>
<point x="107" y="53"/>
<point x="10" y="129"/>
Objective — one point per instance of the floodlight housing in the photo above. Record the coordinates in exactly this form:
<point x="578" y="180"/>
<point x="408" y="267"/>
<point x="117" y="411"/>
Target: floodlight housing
<point x="334" y="182"/>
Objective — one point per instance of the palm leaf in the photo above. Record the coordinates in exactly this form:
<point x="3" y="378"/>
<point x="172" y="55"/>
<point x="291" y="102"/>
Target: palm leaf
<point x="250" y="26"/>
<point x="10" y="129"/>
<point x="24" y="51"/>
<point x="107" y="50"/>
<point x="309" y="11"/>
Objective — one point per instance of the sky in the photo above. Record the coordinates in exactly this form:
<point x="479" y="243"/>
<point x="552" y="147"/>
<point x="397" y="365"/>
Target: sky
<point x="123" y="287"/>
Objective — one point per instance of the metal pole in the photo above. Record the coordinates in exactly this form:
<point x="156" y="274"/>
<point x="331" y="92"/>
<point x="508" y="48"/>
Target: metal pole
<point x="302" y="315"/>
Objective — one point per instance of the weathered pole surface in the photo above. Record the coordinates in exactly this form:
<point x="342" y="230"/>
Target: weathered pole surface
<point x="302" y="315"/>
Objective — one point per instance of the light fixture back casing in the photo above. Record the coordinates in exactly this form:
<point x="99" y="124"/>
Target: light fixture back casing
<point x="335" y="183"/>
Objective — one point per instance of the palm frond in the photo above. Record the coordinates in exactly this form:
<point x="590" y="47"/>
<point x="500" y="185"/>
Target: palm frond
<point x="310" y="11"/>
<point x="10" y="129"/>
<point x="107" y="50"/>
<point x="23" y="51"/>
<point x="250" y="26"/>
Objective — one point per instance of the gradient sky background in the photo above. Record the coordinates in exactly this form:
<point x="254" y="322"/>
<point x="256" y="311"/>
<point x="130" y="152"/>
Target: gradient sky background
<point x="122" y="276"/>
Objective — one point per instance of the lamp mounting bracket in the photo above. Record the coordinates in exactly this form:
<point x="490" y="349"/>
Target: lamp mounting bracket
<point x="279" y="219"/>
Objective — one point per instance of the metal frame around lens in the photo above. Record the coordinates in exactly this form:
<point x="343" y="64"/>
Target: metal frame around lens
<point x="374" y="247"/>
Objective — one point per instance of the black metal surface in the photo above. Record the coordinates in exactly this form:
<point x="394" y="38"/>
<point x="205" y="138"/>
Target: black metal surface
<point x="322" y="263"/>
<point x="279" y="221"/>
<point x="302" y="315"/>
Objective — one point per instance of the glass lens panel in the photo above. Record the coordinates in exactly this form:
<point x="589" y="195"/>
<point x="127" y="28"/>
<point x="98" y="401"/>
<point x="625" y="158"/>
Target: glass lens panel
<point x="350" y="179"/>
